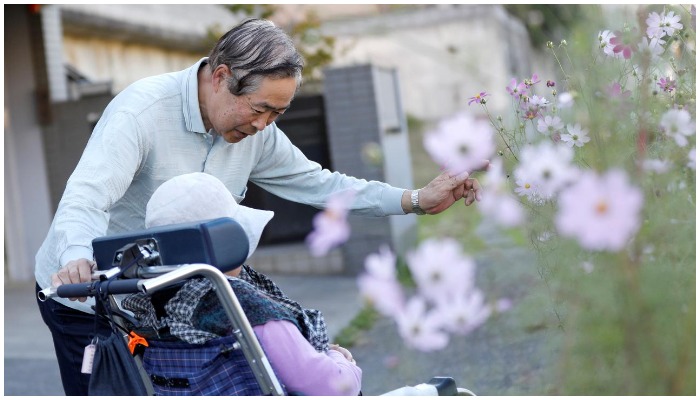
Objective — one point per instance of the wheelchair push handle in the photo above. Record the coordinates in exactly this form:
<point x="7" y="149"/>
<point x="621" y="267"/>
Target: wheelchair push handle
<point x="90" y="289"/>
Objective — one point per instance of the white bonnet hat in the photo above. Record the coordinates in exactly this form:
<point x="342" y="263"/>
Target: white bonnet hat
<point x="198" y="196"/>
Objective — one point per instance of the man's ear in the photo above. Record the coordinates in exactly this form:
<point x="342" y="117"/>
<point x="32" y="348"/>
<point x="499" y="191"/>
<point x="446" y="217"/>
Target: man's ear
<point x="220" y="76"/>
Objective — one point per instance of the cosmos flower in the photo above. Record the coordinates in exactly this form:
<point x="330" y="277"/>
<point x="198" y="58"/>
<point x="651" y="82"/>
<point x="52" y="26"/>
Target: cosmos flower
<point x="691" y="158"/>
<point x="331" y="227"/>
<point x="479" y="98"/>
<point x="666" y="84"/>
<point x="656" y="166"/>
<point x="600" y="212"/>
<point x="549" y="125"/>
<point x="440" y="269"/>
<point x="677" y="124"/>
<point x="624" y="43"/>
<point x="660" y="25"/>
<point x="604" y="40"/>
<point x="516" y="89"/>
<point x="465" y="313"/>
<point x="575" y="136"/>
<point x="547" y="166"/>
<point x="497" y="201"/>
<point x="460" y="143"/>
<point x="420" y="328"/>
<point x="654" y="47"/>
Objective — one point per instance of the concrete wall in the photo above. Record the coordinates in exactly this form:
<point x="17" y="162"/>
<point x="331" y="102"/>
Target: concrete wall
<point x="27" y="203"/>
<point x="443" y="54"/>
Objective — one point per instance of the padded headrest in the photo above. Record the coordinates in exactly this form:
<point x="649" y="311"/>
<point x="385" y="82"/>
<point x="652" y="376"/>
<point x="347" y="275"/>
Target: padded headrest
<point x="220" y="242"/>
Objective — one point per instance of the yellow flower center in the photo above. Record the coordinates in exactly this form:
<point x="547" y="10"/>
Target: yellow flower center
<point x="601" y="207"/>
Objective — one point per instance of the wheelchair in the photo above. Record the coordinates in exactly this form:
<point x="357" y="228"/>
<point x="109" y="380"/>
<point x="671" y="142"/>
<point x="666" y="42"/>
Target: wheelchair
<point x="156" y="260"/>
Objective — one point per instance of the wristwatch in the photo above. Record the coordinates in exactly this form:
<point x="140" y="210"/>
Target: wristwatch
<point x="414" y="203"/>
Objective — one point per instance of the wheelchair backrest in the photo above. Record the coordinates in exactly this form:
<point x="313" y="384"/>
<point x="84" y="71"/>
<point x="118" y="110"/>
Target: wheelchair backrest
<point x="220" y="242"/>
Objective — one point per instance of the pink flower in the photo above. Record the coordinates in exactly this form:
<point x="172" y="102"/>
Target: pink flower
<point x="378" y="284"/>
<point x="551" y="83"/>
<point x="615" y="91"/>
<point x="440" y="269"/>
<point x="600" y="212"/>
<point x="385" y="296"/>
<point x="666" y="84"/>
<point x="516" y="89"/>
<point x="421" y="329"/>
<point x="479" y="98"/>
<point x="331" y="227"/>
<point x="532" y="81"/>
<point x="460" y="143"/>
<point x="624" y="43"/>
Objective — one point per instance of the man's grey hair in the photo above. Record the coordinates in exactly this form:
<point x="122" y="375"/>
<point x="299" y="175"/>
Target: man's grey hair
<point x="253" y="50"/>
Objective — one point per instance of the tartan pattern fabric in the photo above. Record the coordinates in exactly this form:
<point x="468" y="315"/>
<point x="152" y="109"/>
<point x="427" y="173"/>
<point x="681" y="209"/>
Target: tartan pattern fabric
<point x="214" y="369"/>
<point x="311" y="322"/>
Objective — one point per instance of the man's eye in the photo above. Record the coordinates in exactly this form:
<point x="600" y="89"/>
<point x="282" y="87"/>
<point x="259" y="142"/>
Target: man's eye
<point x="257" y="111"/>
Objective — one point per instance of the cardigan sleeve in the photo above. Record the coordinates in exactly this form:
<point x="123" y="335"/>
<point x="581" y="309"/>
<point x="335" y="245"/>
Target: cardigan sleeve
<point x="303" y="370"/>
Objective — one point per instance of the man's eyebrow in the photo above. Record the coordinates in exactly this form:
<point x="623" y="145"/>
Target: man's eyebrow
<point x="269" y="107"/>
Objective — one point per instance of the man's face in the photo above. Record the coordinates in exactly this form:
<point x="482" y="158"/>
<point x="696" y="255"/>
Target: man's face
<point x="236" y="117"/>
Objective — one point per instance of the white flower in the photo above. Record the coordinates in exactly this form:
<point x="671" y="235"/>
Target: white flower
<point x="565" y="100"/>
<point x="656" y="166"/>
<point x="576" y="136"/>
<point x="502" y="208"/>
<point x="526" y="187"/>
<point x="421" y="329"/>
<point x="604" y="40"/>
<point x="538" y="101"/>
<point x="460" y="143"/>
<point x="378" y="285"/>
<point x="549" y="124"/>
<point x="497" y="200"/>
<point x="440" y="269"/>
<point x="547" y="166"/>
<point x="677" y="124"/>
<point x="660" y="25"/>
<point x="691" y="158"/>
<point x="600" y="212"/>
<point x="466" y="313"/>
<point x="653" y="46"/>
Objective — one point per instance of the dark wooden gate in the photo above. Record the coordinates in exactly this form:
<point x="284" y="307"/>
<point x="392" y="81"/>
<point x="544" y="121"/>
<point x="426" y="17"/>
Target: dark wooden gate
<point x="305" y="125"/>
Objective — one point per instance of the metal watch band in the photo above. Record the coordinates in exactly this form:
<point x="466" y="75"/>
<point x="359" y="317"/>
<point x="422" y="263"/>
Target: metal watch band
<point x="414" y="203"/>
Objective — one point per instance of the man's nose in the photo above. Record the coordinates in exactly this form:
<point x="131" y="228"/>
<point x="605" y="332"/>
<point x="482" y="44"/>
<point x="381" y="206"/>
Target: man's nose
<point x="262" y="121"/>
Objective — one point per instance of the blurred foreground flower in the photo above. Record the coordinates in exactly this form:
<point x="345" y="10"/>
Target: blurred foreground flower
<point x="460" y="143"/>
<point x="600" y="212"/>
<point x="331" y="227"/>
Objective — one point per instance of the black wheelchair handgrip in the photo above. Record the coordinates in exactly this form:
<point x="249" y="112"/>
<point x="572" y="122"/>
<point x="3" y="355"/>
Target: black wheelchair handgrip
<point x="76" y="290"/>
<point x="88" y="289"/>
<point x="120" y="286"/>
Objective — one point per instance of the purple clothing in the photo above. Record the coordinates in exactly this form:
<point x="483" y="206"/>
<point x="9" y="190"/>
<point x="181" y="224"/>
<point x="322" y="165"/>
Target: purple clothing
<point x="301" y="368"/>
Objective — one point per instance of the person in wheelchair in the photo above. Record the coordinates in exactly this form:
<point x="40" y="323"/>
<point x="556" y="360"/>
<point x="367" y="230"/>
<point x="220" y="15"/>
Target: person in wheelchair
<point x="194" y="315"/>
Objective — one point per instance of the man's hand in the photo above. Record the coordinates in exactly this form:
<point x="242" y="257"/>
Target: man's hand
<point x="76" y="271"/>
<point x="446" y="189"/>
